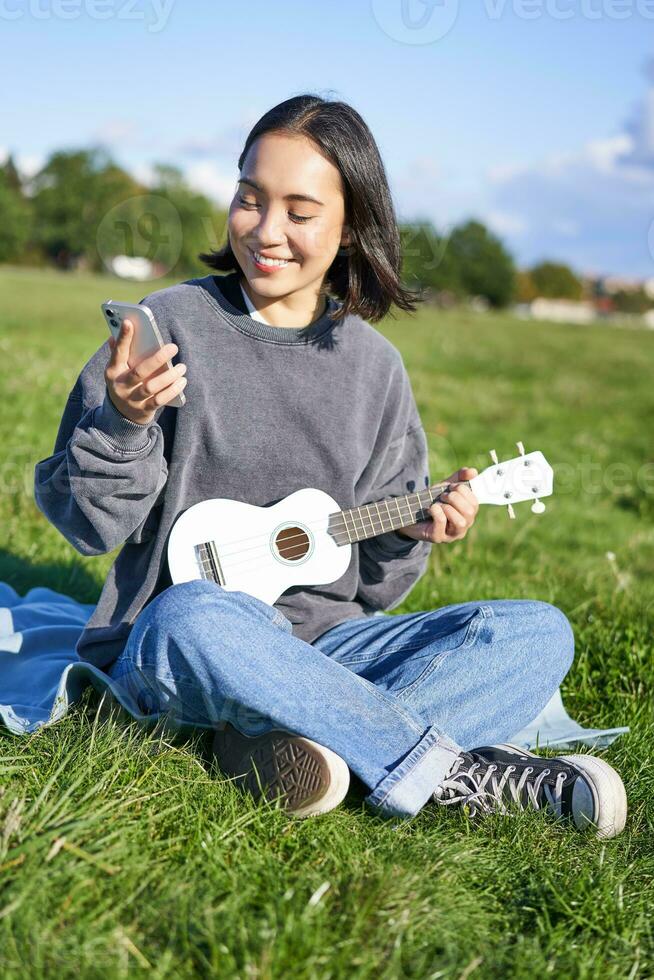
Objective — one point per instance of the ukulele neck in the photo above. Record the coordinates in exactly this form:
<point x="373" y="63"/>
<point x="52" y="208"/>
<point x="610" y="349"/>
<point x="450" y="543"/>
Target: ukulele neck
<point x="391" y="514"/>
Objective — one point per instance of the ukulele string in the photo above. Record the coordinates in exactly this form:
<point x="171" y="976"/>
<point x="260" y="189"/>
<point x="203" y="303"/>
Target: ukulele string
<point x="341" y="525"/>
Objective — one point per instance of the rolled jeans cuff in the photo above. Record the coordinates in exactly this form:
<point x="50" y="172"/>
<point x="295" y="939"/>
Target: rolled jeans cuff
<point x="411" y="784"/>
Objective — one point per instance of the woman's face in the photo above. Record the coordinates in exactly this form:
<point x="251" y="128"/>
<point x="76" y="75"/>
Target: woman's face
<point x="271" y="213"/>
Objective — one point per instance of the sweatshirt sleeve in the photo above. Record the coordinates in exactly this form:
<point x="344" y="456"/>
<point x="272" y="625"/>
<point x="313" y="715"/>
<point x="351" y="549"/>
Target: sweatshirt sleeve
<point x="391" y="564"/>
<point x="106" y="472"/>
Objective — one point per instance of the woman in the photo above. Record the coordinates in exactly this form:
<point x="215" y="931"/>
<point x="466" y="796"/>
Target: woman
<point x="291" y="386"/>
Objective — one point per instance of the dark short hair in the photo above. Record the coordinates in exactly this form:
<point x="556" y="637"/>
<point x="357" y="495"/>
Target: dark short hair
<point x="365" y="275"/>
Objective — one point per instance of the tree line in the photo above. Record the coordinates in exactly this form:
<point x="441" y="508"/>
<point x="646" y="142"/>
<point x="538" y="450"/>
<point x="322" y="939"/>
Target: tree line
<point x="81" y="209"/>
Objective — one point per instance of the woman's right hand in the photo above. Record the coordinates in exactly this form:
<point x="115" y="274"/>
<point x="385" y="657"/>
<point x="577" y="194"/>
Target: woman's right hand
<point x="139" y="391"/>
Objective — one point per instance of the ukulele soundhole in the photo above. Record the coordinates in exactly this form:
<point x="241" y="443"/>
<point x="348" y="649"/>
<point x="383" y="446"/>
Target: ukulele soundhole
<point x="292" y="543"/>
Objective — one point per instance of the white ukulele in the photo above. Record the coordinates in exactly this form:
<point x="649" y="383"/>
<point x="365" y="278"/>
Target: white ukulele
<point x="305" y="539"/>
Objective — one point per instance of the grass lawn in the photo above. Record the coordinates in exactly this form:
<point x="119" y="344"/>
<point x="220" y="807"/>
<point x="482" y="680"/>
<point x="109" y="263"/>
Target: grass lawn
<point x="126" y="853"/>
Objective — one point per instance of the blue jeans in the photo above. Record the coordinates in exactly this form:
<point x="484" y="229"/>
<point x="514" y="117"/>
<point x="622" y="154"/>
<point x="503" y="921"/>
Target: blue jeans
<point x="396" y="696"/>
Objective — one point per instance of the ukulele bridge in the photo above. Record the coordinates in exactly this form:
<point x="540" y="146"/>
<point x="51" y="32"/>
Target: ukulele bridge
<point x="208" y="562"/>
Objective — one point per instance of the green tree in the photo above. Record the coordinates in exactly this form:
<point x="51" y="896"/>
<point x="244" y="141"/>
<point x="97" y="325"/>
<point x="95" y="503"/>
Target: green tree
<point x="426" y="259"/>
<point x="12" y="176"/>
<point x="525" y="289"/>
<point x="632" y="301"/>
<point x="485" y="267"/>
<point x="72" y="194"/>
<point x="15" y="214"/>
<point x="555" y="280"/>
<point x="203" y="224"/>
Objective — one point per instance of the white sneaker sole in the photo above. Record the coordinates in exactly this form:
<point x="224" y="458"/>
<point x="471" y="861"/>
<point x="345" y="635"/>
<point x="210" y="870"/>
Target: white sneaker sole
<point x="309" y="778"/>
<point x="609" y="794"/>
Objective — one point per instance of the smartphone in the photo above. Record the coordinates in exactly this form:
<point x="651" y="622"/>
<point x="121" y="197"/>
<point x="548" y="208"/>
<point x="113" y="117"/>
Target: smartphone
<point x="147" y="338"/>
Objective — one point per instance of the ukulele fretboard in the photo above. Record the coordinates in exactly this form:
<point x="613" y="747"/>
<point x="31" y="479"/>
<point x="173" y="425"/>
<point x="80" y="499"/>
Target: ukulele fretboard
<point x="391" y="514"/>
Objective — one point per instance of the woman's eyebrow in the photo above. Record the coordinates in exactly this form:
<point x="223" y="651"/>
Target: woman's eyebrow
<point x="289" y="197"/>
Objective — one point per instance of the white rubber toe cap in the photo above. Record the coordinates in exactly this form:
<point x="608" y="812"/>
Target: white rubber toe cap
<point x="599" y="797"/>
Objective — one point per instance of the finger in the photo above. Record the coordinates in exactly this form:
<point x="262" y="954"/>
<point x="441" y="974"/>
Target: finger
<point x="465" y="473"/>
<point x="163" y="397"/>
<point x="439" y="523"/>
<point x="153" y="362"/>
<point x="465" y="496"/>
<point x="456" y="477"/>
<point x="455" y="519"/>
<point x="157" y="382"/>
<point x="454" y="533"/>
<point x="124" y="343"/>
<point x="467" y="493"/>
<point x="457" y="500"/>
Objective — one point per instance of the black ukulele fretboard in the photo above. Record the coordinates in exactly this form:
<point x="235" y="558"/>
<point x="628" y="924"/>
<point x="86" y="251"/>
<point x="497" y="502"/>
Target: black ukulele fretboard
<point x="391" y="514"/>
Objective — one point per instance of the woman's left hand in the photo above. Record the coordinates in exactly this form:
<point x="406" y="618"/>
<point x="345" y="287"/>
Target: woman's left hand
<point x="451" y="517"/>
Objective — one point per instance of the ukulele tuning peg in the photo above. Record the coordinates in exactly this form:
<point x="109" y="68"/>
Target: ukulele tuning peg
<point x="512" y="512"/>
<point x="521" y="448"/>
<point x="538" y="507"/>
<point x="493" y="456"/>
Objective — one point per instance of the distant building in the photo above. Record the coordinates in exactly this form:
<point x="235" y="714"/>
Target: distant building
<point x="132" y="267"/>
<point x="614" y="284"/>
<point x="562" y="310"/>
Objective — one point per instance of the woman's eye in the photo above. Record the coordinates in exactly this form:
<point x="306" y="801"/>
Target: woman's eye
<point x="299" y="218"/>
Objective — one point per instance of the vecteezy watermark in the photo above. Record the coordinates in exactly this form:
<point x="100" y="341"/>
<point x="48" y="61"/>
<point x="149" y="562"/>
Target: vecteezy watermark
<point x="427" y="21"/>
<point x="154" y="13"/>
<point x="415" y="21"/>
<point x="424" y="248"/>
<point x="586" y="478"/>
<point x="146" y="226"/>
<point x="567" y="9"/>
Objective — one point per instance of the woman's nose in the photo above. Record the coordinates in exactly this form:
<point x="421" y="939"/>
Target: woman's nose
<point x="270" y="228"/>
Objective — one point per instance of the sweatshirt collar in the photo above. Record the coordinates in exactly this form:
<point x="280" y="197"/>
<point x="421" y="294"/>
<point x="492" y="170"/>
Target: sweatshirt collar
<point x="263" y="331"/>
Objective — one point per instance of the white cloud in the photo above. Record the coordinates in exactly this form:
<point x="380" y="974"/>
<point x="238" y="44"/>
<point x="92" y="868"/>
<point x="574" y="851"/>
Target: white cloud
<point x="225" y="144"/>
<point x="423" y="190"/>
<point x="213" y="180"/>
<point x="27" y="164"/>
<point x="117" y="132"/>
<point x="591" y="207"/>
<point x="594" y="212"/>
<point x="144" y="173"/>
<point x="641" y="126"/>
<point x="206" y="178"/>
<point x="605" y="156"/>
<point x="503" y="222"/>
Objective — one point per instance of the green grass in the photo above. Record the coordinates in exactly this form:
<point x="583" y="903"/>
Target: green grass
<point x="127" y="853"/>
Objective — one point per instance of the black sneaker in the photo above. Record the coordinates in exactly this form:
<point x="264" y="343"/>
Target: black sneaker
<point x="308" y="778"/>
<point x="504" y="778"/>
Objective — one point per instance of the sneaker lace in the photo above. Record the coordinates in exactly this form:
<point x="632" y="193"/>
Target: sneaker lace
<point x="486" y="792"/>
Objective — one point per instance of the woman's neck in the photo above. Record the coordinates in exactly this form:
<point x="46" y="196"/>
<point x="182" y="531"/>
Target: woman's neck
<point x="298" y="309"/>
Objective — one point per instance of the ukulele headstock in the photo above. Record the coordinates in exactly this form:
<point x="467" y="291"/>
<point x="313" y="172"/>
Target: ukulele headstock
<point x="526" y="477"/>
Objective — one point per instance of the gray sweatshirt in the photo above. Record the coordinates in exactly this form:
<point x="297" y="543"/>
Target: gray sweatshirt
<point x="268" y="411"/>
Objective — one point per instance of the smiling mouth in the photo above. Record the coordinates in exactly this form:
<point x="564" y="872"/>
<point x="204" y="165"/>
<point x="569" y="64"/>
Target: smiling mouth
<point x="268" y="262"/>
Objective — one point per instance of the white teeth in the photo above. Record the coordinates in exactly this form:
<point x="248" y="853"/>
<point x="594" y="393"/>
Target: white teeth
<point x="264" y="261"/>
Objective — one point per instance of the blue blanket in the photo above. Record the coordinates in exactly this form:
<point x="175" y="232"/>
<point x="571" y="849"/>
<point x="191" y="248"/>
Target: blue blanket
<point x="41" y="674"/>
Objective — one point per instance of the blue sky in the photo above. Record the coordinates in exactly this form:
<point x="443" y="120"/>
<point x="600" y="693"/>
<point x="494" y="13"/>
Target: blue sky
<point x="535" y="116"/>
